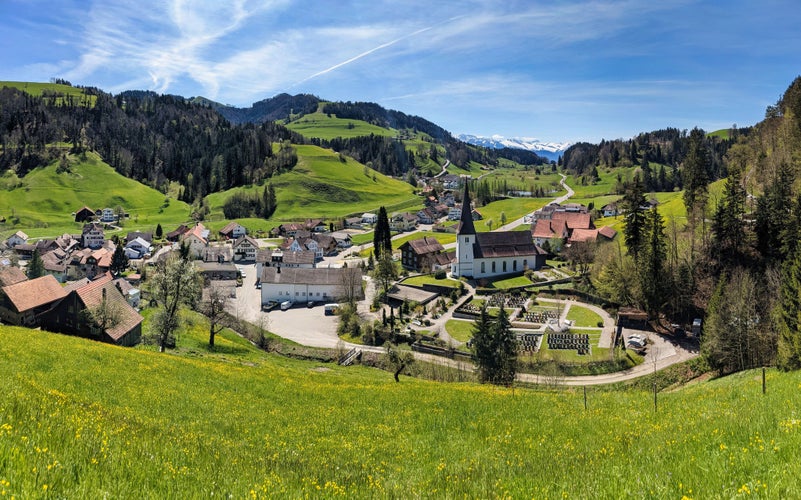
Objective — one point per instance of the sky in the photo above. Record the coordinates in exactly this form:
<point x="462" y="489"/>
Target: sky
<point x="556" y="71"/>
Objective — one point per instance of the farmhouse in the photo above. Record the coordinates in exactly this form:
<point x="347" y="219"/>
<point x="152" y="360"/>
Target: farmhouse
<point x="96" y="310"/>
<point x="214" y="271"/>
<point x="233" y="230"/>
<point x="137" y="248"/>
<point x="424" y="255"/>
<point x="245" y="248"/>
<point x="177" y="233"/>
<point x="10" y="275"/>
<point x="23" y="303"/>
<point x="84" y="214"/>
<point x="403" y="222"/>
<point x="301" y="285"/>
<point x="197" y="239"/>
<point x="284" y="259"/>
<point x="486" y="255"/>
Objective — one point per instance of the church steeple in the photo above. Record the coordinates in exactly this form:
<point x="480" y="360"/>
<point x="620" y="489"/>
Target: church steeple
<point x="466" y="221"/>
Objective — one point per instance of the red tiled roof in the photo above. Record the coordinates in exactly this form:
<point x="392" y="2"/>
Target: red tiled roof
<point x="91" y="295"/>
<point x="10" y="275"/>
<point x="425" y="245"/>
<point x="580" y="235"/>
<point x="574" y="220"/>
<point x="607" y="232"/>
<point x="33" y="293"/>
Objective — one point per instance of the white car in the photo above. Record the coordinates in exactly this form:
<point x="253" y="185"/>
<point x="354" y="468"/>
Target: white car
<point x="636" y="343"/>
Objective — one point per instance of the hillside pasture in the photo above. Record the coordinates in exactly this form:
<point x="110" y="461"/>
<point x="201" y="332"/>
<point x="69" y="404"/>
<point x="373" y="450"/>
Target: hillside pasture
<point x="94" y="420"/>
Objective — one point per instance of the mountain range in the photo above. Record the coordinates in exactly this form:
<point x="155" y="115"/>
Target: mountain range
<point x="550" y="150"/>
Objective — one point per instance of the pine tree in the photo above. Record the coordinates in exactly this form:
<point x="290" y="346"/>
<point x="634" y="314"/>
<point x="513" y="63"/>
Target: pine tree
<point x="119" y="261"/>
<point x="36" y="267"/>
<point x="159" y="232"/>
<point x="652" y="264"/>
<point x="788" y="356"/>
<point x="634" y="230"/>
<point x="727" y="225"/>
<point x="495" y="348"/>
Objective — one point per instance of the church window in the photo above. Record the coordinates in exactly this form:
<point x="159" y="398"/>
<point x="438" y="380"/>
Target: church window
<point x="483" y="270"/>
<point x="504" y="266"/>
<point x="514" y="265"/>
<point x="493" y="266"/>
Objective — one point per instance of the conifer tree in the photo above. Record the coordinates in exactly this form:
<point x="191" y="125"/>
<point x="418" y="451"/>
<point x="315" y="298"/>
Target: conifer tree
<point x="634" y="230"/>
<point x="36" y="267"/>
<point x="382" y="236"/>
<point x="788" y="356"/>
<point x="119" y="261"/>
<point x="495" y="348"/>
<point x="159" y="231"/>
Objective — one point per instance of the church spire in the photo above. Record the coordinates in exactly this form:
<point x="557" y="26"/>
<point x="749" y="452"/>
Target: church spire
<point x="466" y="222"/>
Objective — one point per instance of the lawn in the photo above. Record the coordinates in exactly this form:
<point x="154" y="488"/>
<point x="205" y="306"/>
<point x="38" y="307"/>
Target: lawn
<point x="506" y="283"/>
<point x="38" y="88"/>
<point x="80" y="419"/>
<point x="581" y="316"/>
<point x="428" y="279"/>
<point x="459" y="329"/>
<point x="510" y="208"/>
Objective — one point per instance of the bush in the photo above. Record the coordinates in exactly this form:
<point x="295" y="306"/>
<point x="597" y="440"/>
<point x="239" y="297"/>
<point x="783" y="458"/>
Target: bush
<point x="440" y="275"/>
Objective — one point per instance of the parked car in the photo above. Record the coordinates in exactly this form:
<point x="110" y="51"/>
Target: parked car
<point x="636" y="343"/>
<point x="286" y="305"/>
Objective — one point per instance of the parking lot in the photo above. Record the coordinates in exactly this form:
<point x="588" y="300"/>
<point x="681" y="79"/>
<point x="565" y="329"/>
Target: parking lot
<point x="307" y="326"/>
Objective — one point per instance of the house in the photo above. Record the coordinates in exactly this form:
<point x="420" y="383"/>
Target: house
<point x="92" y="235"/>
<point x="96" y="263"/>
<point x="25" y="250"/>
<point x="440" y="210"/>
<point x="177" y="233"/>
<point x="607" y="232"/>
<point x="486" y="255"/>
<point x="342" y="239"/>
<point x="353" y="223"/>
<point x="137" y="248"/>
<point x="17" y="238"/>
<point x="197" y="239"/>
<point x="68" y="243"/>
<point x="476" y="215"/>
<point x="315" y="225"/>
<point x="107" y="215"/>
<point x="549" y="230"/>
<point x="84" y="214"/>
<point x="96" y="310"/>
<point x="281" y="284"/>
<point x="426" y="216"/>
<point x="369" y="218"/>
<point x="55" y="263"/>
<point x="455" y="212"/>
<point x="424" y="255"/>
<point x="233" y="230"/>
<point x="287" y="230"/>
<point x="245" y="248"/>
<point x="610" y="210"/>
<point x="23" y="303"/>
<point x="402" y="222"/>
<point x="450" y="181"/>
<point x="147" y="236"/>
<point x="132" y="294"/>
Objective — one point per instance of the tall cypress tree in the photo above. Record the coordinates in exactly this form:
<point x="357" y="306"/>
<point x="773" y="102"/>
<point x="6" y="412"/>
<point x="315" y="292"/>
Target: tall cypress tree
<point x="119" y="261"/>
<point x="382" y="236"/>
<point x="36" y="267"/>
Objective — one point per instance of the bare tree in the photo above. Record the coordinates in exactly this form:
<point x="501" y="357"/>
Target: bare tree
<point x="350" y="284"/>
<point x="105" y="315"/>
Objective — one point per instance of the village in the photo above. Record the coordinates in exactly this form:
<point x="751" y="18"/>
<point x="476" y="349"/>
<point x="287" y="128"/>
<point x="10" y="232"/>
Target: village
<point x="301" y="265"/>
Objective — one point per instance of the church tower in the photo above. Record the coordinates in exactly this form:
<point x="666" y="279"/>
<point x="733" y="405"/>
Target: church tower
<point x="465" y="239"/>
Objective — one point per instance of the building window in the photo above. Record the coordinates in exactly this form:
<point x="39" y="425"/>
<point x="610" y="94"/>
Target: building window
<point x="483" y="270"/>
<point x="525" y="263"/>
<point x="493" y="266"/>
<point x="504" y="266"/>
<point x="514" y="265"/>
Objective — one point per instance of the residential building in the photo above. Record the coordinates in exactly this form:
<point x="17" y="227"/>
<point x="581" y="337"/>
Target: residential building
<point x="92" y="235"/>
<point x="197" y="239"/>
<point x="233" y="231"/>
<point x="84" y="214"/>
<point x="107" y="215"/>
<point x="369" y="218"/>
<point x="424" y="255"/>
<point x="245" y="249"/>
<point x="17" y="238"/>
<point x="402" y="222"/>
<point x="23" y="303"/>
<point x="138" y="248"/>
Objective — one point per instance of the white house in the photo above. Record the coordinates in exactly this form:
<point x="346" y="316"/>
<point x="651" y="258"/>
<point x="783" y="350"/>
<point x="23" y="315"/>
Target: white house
<point x="403" y="222"/>
<point x="17" y="238"/>
<point x="342" y="238"/>
<point x="302" y="285"/>
<point x="245" y="248"/>
<point x="487" y="255"/>
<point x="92" y="235"/>
<point x="107" y="215"/>
<point x="368" y="218"/>
<point x="198" y="239"/>
<point x="137" y="248"/>
<point x="233" y="231"/>
<point x="610" y="210"/>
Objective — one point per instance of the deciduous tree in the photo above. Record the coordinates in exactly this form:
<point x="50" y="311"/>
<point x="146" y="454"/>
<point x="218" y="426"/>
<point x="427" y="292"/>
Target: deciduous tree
<point x="175" y="283"/>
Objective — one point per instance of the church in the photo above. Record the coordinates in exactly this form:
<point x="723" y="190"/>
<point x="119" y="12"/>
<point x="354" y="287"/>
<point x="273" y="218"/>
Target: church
<point x="488" y="255"/>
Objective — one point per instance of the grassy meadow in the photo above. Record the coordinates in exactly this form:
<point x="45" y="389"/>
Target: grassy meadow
<point x="322" y="186"/>
<point x="43" y="201"/>
<point x="38" y="88"/>
<point x="322" y="126"/>
<point x="81" y="419"/>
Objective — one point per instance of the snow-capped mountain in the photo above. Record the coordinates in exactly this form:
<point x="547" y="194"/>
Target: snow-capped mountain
<point x="550" y="150"/>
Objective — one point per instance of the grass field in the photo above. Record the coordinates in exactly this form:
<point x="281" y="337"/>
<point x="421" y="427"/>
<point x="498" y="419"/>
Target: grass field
<point x="84" y="420"/>
<point x="38" y="88"/>
<point x="511" y="208"/>
<point x="322" y="186"/>
<point x="44" y="200"/>
<point x="428" y="279"/>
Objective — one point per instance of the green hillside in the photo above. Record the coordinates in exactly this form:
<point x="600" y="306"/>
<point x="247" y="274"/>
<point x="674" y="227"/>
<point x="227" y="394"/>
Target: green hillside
<point x="43" y="201"/>
<point x="322" y="126"/>
<point x="83" y="420"/>
<point x="322" y="185"/>
<point x="57" y="89"/>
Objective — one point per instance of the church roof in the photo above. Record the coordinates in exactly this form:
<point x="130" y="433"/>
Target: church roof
<point x="504" y="244"/>
<point x="466" y="221"/>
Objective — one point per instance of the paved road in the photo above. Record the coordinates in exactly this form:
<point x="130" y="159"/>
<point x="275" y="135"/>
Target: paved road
<point x="561" y="199"/>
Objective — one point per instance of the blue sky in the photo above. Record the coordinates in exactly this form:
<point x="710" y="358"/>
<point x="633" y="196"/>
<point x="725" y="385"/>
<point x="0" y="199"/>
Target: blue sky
<point x="557" y="71"/>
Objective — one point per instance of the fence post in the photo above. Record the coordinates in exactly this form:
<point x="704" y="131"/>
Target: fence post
<point x="585" y="398"/>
